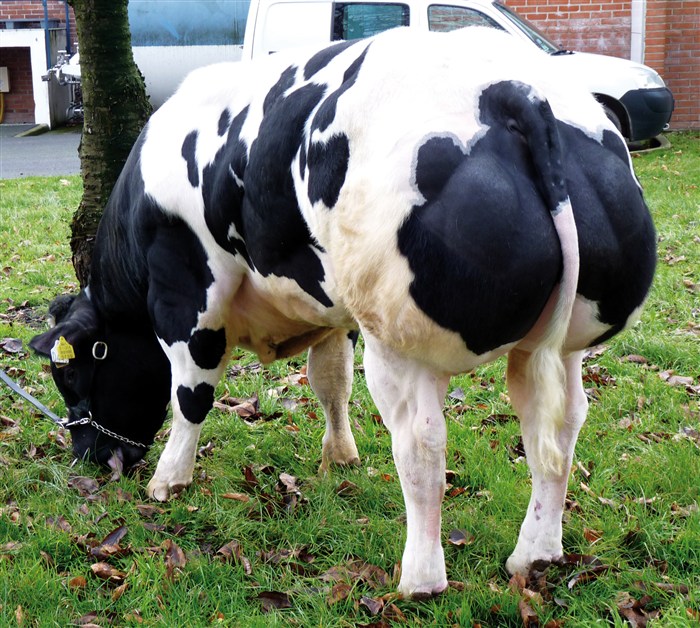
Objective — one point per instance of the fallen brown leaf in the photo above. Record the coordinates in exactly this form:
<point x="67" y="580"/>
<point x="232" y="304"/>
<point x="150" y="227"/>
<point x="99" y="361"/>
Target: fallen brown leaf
<point x="355" y="570"/>
<point x="527" y="614"/>
<point x="244" y="408"/>
<point x="586" y="575"/>
<point x="250" y="480"/>
<point x="241" y="497"/>
<point x="11" y="345"/>
<point x="287" y="483"/>
<point x="594" y="352"/>
<point x="206" y="450"/>
<point x="634" y="610"/>
<point x="272" y="600"/>
<point x="347" y="488"/>
<point x="669" y="587"/>
<point x="592" y="535"/>
<point x="174" y="558"/>
<point x="119" y="591"/>
<point x="373" y="605"/>
<point x="598" y="375"/>
<point x="149" y="510"/>
<point x="394" y="614"/>
<point x="231" y="552"/>
<point x="676" y="380"/>
<point x="683" y="511"/>
<point x="460" y="538"/>
<point x="339" y="592"/>
<point x="79" y="582"/>
<point x="105" y="571"/>
<point x="498" y="419"/>
<point x="87" y="487"/>
<point x="88" y="620"/>
<point x="8" y="548"/>
<point x="59" y="523"/>
<point x="517" y="582"/>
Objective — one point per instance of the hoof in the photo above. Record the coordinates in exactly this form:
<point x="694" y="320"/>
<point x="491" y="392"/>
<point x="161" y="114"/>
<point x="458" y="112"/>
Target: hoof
<point x="162" y="492"/>
<point x="423" y="591"/>
<point x="523" y="565"/>
<point x="327" y="463"/>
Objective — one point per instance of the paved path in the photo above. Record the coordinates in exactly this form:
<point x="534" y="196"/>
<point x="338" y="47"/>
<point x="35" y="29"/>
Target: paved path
<point x="54" y="153"/>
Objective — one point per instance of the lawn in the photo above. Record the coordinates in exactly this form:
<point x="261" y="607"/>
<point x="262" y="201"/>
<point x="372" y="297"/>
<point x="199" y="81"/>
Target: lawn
<point x="260" y="539"/>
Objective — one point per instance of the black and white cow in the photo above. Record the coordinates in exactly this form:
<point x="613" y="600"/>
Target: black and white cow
<point x="442" y="193"/>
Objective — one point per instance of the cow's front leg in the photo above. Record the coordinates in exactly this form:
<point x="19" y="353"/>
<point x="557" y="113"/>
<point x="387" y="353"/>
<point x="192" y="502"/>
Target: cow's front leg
<point x="193" y="382"/>
<point x="330" y="376"/>
<point x="541" y="531"/>
<point x="410" y="399"/>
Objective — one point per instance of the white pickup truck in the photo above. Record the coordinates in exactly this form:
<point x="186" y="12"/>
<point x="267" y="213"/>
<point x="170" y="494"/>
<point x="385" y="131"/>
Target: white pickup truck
<point x="171" y="37"/>
<point x="634" y="96"/>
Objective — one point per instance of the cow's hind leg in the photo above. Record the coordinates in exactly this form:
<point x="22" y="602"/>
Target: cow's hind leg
<point x="410" y="399"/>
<point x="541" y="531"/>
<point x="330" y="376"/>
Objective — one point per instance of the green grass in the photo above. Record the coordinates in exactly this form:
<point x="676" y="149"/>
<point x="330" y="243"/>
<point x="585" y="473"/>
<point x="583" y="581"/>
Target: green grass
<point x="640" y="446"/>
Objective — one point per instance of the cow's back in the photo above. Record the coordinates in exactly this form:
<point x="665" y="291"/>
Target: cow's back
<point x="422" y="221"/>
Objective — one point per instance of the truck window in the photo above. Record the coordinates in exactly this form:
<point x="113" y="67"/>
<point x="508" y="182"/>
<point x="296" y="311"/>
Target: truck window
<point x="354" y="20"/>
<point x="443" y="18"/>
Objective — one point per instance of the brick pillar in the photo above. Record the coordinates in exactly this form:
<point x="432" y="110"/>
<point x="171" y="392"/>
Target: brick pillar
<point x="655" y="40"/>
<point x="681" y="68"/>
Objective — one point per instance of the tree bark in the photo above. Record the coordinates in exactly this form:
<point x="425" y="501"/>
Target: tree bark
<point x="115" y="109"/>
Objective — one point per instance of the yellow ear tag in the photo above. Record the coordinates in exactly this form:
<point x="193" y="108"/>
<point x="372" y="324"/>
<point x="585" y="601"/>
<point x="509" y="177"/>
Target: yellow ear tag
<point x="62" y="351"/>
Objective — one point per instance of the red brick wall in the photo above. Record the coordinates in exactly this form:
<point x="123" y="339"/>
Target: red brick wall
<point x="672" y="39"/>
<point x="19" y="101"/>
<point x="601" y="26"/>
<point x="34" y="9"/>
<point x="673" y="50"/>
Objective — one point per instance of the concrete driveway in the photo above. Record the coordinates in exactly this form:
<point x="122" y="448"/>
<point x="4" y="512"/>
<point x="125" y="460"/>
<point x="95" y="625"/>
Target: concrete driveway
<point x="54" y="153"/>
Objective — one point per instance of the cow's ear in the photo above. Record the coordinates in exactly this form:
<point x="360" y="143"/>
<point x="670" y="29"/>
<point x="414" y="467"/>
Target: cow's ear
<point x="43" y="343"/>
<point x="59" y="308"/>
<point x="76" y="321"/>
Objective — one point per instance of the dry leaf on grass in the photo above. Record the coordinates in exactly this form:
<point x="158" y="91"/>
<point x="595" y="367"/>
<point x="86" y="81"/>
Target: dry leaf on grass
<point x="105" y="571"/>
<point x="175" y="558"/>
<point x="110" y="545"/>
<point x="86" y="487"/>
<point x="339" y="592"/>
<point x="272" y="600"/>
<point x="357" y="570"/>
<point x="59" y="523"/>
<point x="460" y="538"/>
<point x="79" y="582"/>
<point x="232" y="552"/>
<point x="240" y="497"/>
<point x="373" y="605"/>
<point x="347" y="488"/>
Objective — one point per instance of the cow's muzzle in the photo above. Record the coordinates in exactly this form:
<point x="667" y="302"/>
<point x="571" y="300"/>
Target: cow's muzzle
<point x="93" y="441"/>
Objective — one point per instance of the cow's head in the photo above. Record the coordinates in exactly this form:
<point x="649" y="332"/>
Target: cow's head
<point x="115" y="382"/>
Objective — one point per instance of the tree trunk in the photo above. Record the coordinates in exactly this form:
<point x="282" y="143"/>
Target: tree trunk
<point x="115" y="110"/>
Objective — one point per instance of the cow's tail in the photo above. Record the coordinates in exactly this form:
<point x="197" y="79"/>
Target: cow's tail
<point x="545" y="371"/>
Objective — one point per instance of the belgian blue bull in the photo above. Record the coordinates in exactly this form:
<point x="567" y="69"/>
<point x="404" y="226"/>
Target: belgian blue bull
<point x="445" y="194"/>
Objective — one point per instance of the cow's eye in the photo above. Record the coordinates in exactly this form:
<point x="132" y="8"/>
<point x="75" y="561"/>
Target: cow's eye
<point x="69" y="376"/>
